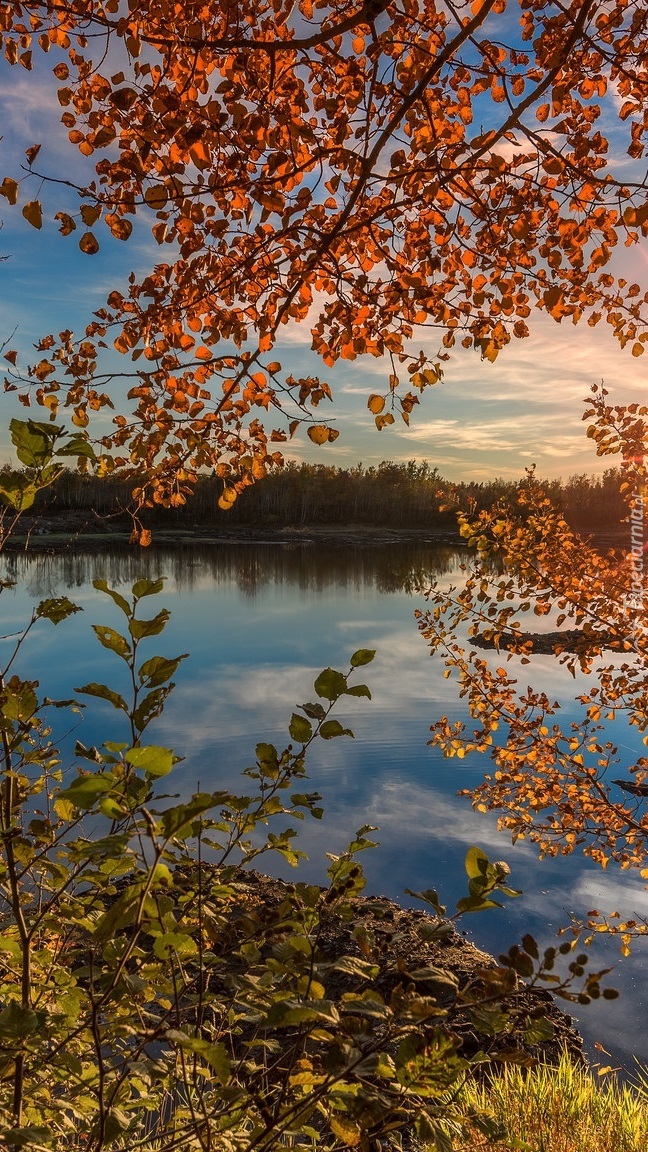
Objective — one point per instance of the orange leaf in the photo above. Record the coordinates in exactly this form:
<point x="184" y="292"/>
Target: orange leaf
<point x="227" y="499"/>
<point x="67" y="223"/>
<point x="90" y="213"/>
<point x="375" y="403"/>
<point x="89" y="244"/>
<point x="156" y="196"/>
<point x="33" y="213"/>
<point x="9" y="188"/>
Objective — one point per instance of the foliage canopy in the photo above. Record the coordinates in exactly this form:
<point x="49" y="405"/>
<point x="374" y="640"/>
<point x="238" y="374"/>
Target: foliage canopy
<point x="373" y="172"/>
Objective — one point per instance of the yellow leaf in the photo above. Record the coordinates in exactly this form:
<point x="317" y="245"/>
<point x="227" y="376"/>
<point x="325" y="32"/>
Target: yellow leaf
<point x="33" y="213"/>
<point x="80" y="417"/>
<point x="376" y="403"/>
<point x="227" y="499"/>
<point x="345" y="1129"/>
<point x="318" y="433"/>
<point x="9" y="188"/>
<point x="51" y="402"/>
<point x="387" y="418"/>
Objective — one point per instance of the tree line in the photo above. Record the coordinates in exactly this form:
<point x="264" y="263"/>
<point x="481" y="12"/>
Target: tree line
<point x="411" y="495"/>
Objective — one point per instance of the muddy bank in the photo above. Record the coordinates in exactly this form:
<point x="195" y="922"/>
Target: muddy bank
<point x="408" y="945"/>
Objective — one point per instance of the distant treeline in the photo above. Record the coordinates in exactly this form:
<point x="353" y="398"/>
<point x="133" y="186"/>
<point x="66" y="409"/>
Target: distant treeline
<point x="407" y="495"/>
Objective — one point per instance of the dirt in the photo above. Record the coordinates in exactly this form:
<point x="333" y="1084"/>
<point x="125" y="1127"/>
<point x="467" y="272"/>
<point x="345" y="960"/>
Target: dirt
<point x="404" y="948"/>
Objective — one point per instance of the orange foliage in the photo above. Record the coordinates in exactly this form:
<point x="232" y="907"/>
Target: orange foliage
<point x="365" y="168"/>
<point x="556" y="781"/>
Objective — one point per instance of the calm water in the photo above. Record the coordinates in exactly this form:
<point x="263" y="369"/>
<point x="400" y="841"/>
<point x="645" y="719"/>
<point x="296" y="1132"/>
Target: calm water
<point x="260" y="622"/>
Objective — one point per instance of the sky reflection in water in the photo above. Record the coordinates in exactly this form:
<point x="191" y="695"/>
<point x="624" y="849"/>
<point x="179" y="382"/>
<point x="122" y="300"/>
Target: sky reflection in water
<point x="260" y="622"/>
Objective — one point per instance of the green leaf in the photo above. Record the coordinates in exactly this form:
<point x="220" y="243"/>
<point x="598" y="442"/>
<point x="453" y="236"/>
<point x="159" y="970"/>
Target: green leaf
<point x="102" y="692"/>
<point x="120" y="601"/>
<point x="267" y="754"/>
<point x="78" y="445"/>
<point x="429" y="896"/>
<point x="315" y="711"/>
<point x="18" y="702"/>
<point x="57" y="609"/>
<point x="539" y="1031"/>
<point x="330" y="684"/>
<point x="152" y="759"/>
<point x="179" y="820"/>
<point x="18" y="492"/>
<point x="112" y="640"/>
<point x="121" y="914"/>
<point x="150" y="707"/>
<point x="32" y="441"/>
<point x="358" y="690"/>
<point x="31" y="1136"/>
<point x="141" y="628"/>
<point x="171" y="944"/>
<point x="300" y="728"/>
<point x="159" y="670"/>
<point x="362" y="656"/>
<point x="332" y="728"/>
<point x="142" y="588"/>
<point x="285" y="1013"/>
<point x="215" y="1055"/>
<point x="476" y="863"/>
<point x="86" y="790"/>
<point x="475" y="904"/>
<point x="17" y="1022"/>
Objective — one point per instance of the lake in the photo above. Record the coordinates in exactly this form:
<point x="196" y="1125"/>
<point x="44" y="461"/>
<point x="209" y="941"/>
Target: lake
<point x="260" y="621"/>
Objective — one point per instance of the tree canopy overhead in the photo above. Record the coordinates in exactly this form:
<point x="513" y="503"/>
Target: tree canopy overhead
<point x="372" y="170"/>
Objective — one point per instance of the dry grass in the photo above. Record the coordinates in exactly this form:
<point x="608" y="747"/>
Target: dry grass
<point x="564" y="1109"/>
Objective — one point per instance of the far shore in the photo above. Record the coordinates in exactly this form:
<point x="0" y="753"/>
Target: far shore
<point x="53" y="537"/>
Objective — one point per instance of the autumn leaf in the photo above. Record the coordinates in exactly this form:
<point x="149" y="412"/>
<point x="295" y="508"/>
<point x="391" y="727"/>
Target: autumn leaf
<point x="89" y="244"/>
<point x="90" y="213"/>
<point x="382" y="421"/>
<point x="33" y="213"/>
<point x="32" y="153"/>
<point x="318" y="433"/>
<point x="9" y="188"/>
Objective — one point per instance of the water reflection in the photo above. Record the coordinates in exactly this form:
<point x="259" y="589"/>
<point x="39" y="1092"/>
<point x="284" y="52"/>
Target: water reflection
<point x="252" y="567"/>
<point x="260" y="621"/>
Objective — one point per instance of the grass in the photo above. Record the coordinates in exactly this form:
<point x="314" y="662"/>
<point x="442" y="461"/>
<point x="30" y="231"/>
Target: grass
<point x="563" y="1109"/>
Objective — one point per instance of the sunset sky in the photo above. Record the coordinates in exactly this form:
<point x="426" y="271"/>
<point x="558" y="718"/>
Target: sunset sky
<point x="482" y="420"/>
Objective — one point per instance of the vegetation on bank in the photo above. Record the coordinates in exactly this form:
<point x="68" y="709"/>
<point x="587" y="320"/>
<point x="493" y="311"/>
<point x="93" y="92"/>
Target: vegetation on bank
<point x="406" y="495"/>
<point x="563" y="1109"/>
<point x="150" y="1000"/>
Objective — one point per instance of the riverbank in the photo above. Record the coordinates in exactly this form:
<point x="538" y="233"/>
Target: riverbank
<point x="70" y="534"/>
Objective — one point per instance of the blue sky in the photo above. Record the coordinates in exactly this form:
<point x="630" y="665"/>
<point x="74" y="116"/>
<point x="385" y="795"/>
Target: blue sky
<point x="482" y="420"/>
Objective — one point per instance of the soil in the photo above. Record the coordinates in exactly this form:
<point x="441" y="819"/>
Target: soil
<point x="57" y="535"/>
<point x="405" y="947"/>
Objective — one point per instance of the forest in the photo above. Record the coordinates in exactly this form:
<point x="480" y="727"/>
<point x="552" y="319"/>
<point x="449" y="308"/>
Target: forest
<point x="408" y="495"/>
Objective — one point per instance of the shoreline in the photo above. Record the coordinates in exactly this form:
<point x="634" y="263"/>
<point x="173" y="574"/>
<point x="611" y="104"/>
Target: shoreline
<point x="54" y="538"/>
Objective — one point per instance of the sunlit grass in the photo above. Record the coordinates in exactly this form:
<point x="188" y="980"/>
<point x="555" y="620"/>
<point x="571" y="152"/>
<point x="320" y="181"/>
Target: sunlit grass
<point x="563" y="1109"/>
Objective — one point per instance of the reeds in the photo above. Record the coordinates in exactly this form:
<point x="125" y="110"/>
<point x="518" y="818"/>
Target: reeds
<point x="559" y="1109"/>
